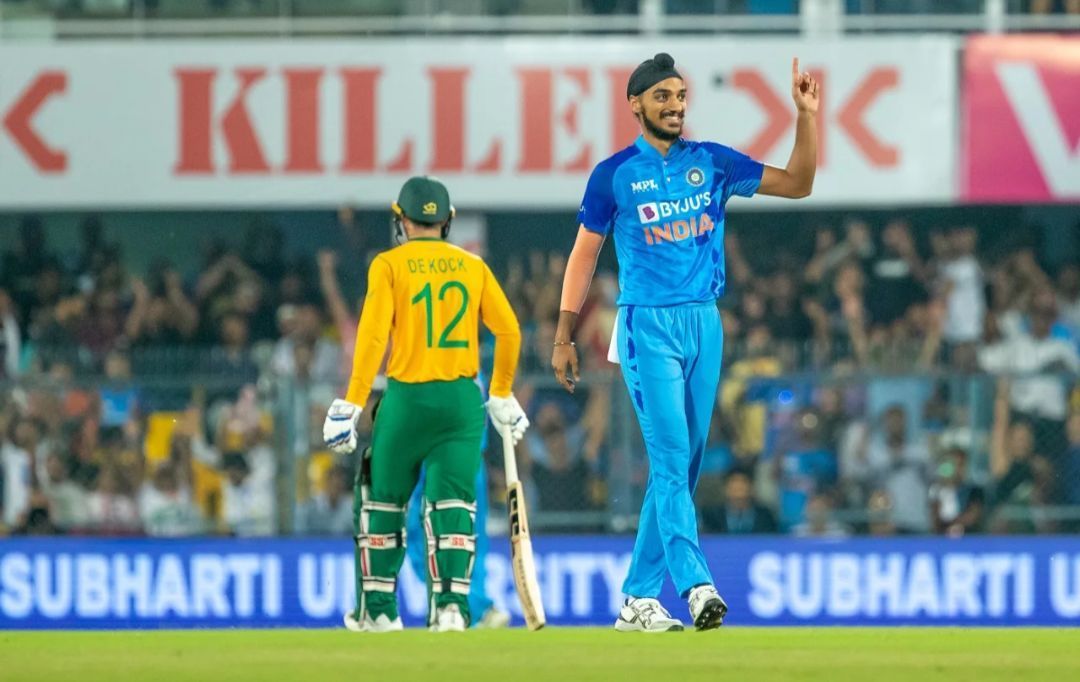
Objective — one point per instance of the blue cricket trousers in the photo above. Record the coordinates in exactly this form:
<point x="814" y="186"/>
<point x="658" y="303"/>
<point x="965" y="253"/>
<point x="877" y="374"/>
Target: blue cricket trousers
<point x="670" y="361"/>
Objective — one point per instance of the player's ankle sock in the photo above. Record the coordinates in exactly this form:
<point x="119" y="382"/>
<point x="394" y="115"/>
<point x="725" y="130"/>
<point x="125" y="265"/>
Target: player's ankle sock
<point x="686" y="594"/>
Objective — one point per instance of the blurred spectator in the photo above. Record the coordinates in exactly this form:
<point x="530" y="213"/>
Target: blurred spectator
<point x="745" y="391"/>
<point x="21" y="266"/>
<point x="961" y="284"/>
<point x="829" y="254"/>
<point x="109" y="511"/>
<point x="67" y="499"/>
<point x="554" y="450"/>
<point x="232" y="357"/>
<point x="264" y="244"/>
<point x="1039" y="393"/>
<point x="305" y="353"/>
<point x="879" y="507"/>
<point x="1068" y="290"/>
<point x="165" y="503"/>
<point x="341" y="316"/>
<point x="808" y="468"/>
<point x="103" y="323"/>
<point x="896" y="276"/>
<point x="888" y="460"/>
<point x="243" y="454"/>
<point x="20" y="451"/>
<point x="161" y="314"/>
<point x="1070" y="471"/>
<point x="330" y="511"/>
<point x="786" y="318"/>
<point x="956" y="505"/>
<point x="740" y="513"/>
<point x="248" y="500"/>
<point x="36" y="519"/>
<point x="10" y="338"/>
<point x="819" y="521"/>
<point x="1018" y="469"/>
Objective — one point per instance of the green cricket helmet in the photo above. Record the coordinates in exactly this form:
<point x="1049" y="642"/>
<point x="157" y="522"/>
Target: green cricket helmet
<point x="426" y="201"/>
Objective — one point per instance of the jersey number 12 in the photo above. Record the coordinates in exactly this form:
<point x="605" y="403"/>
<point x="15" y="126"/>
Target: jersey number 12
<point x="425" y="297"/>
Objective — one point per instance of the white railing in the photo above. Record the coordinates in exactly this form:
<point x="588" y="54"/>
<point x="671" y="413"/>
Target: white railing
<point x="816" y="17"/>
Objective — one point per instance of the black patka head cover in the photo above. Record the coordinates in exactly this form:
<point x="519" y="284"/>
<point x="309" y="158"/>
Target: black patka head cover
<point x="650" y="72"/>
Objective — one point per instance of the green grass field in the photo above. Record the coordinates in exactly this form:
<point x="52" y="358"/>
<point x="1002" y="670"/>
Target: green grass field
<point x="552" y="655"/>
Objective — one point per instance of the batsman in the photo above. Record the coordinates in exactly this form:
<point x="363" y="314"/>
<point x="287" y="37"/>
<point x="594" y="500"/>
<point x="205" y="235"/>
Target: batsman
<point x="426" y="297"/>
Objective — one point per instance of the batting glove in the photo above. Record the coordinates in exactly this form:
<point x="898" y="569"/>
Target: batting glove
<point x="339" y="429"/>
<point x="507" y="412"/>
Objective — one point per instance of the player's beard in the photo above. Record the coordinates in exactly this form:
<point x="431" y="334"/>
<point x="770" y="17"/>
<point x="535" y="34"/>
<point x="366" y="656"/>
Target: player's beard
<point x="658" y="132"/>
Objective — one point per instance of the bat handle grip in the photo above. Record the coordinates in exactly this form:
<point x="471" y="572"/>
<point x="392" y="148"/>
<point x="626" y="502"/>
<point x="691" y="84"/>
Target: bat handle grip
<point x="509" y="456"/>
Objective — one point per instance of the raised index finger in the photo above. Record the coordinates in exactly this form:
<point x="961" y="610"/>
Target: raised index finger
<point x="795" y="68"/>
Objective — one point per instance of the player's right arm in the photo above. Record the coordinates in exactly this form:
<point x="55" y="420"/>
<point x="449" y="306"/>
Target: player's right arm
<point x="372" y="335"/>
<point x="580" y="267"/>
<point x="796" y="180"/>
<point x="498" y="316"/>
<point x="596" y="220"/>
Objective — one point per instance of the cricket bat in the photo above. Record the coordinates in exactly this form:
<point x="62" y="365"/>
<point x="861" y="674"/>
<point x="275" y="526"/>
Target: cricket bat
<point x="521" y="553"/>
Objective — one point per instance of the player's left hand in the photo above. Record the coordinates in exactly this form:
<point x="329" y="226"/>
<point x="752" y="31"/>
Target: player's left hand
<point x="507" y="412"/>
<point x="804" y="89"/>
<point x="339" y="428"/>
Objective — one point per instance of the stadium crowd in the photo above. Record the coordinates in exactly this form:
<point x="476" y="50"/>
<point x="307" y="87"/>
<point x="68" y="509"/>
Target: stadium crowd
<point x="886" y="381"/>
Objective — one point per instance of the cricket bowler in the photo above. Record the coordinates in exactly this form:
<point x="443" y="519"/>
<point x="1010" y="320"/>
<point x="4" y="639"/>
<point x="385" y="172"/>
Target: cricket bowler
<point x="663" y="199"/>
<point x="427" y="297"/>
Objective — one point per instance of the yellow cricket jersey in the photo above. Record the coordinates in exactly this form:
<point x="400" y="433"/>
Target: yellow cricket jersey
<point x="428" y="297"/>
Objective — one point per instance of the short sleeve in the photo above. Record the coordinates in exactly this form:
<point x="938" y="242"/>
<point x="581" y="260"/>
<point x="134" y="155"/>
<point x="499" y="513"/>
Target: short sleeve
<point x="742" y="175"/>
<point x="597" y="212"/>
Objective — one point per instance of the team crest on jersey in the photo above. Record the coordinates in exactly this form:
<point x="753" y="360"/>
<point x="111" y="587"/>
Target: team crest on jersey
<point x="695" y="177"/>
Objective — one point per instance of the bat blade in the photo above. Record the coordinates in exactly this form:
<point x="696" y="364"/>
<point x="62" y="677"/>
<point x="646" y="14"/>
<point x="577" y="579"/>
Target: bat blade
<point x="521" y="559"/>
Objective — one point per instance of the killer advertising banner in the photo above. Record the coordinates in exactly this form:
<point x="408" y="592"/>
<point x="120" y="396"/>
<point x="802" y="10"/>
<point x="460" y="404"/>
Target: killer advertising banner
<point x="147" y="584"/>
<point x="508" y="123"/>
<point x="1021" y="119"/>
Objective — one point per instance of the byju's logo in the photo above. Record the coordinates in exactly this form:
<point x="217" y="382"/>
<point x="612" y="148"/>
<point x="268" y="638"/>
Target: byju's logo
<point x="644" y="186"/>
<point x="648" y="213"/>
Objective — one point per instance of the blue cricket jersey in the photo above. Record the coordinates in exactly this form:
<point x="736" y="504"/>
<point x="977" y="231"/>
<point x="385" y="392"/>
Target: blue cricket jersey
<point x="667" y="215"/>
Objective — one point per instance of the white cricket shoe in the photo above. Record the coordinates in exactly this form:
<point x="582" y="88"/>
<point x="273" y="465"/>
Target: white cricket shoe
<point x="707" y="608"/>
<point x="493" y="619"/>
<point x="380" y="624"/>
<point x="449" y="619"/>
<point x="645" y="615"/>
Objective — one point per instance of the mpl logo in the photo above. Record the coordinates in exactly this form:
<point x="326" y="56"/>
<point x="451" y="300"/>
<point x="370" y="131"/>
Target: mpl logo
<point x="644" y="186"/>
<point x="648" y="213"/>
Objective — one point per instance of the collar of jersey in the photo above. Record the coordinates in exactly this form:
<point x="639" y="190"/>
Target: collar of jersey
<point x="424" y="239"/>
<point x="645" y="148"/>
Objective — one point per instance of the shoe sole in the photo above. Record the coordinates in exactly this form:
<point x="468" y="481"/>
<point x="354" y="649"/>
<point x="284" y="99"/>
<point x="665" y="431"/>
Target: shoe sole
<point x="711" y="616"/>
<point x="351" y="624"/>
<point x="623" y="626"/>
